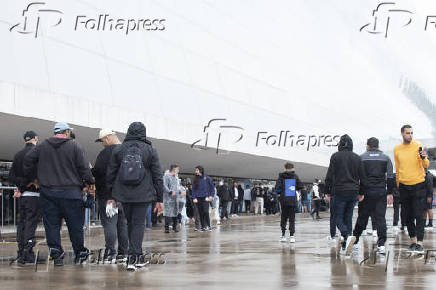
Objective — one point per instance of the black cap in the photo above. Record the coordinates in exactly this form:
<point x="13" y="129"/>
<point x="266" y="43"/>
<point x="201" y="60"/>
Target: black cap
<point x="29" y="135"/>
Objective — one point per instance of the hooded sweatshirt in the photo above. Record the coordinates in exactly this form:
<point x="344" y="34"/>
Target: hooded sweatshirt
<point x="61" y="166"/>
<point x="286" y="186"/>
<point x="343" y="175"/>
<point x="151" y="187"/>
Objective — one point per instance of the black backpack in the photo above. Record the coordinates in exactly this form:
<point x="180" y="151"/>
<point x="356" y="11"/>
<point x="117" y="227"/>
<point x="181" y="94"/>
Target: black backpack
<point x="132" y="169"/>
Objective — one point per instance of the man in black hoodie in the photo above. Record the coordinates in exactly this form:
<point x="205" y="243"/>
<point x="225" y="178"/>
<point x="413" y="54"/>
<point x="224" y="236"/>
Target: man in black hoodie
<point x="225" y="195"/>
<point x="28" y="202"/>
<point x="286" y="186"/>
<point x="114" y="224"/>
<point x="343" y="181"/>
<point x="63" y="176"/>
<point x="134" y="177"/>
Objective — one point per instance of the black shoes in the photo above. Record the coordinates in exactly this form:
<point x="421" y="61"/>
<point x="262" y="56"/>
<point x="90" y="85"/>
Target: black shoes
<point x="59" y="260"/>
<point x="81" y="257"/>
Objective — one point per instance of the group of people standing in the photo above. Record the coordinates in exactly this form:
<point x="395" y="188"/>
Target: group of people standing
<point x="53" y="178"/>
<point x="369" y="179"/>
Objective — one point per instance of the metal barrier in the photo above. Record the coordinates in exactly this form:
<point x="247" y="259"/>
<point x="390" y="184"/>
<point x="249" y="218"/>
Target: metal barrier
<point x="9" y="211"/>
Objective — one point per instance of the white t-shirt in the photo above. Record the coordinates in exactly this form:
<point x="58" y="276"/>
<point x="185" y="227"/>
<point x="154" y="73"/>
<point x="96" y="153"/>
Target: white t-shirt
<point x="236" y="192"/>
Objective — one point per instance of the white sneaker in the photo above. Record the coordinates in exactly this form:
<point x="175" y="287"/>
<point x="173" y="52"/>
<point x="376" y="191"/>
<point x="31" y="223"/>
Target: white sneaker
<point x="355" y="248"/>
<point x="283" y="239"/>
<point x="381" y="250"/>
<point x="218" y="222"/>
<point x="374" y="234"/>
<point x="349" y="245"/>
<point x="292" y="239"/>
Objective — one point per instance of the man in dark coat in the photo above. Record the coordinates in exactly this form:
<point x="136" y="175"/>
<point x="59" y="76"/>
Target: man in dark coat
<point x="134" y="177"/>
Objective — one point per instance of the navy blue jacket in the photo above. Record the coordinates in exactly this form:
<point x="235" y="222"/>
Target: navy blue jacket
<point x="205" y="188"/>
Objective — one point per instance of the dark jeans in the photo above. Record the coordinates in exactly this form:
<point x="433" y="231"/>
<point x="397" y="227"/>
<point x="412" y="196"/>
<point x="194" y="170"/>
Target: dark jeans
<point x="203" y="210"/>
<point x="169" y="220"/>
<point x="247" y="205"/>
<point x="148" y="216"/>
<point x="135" y="215"/>
<point x="374" y="205"/>
<point x="332" y="217"/>
<point x="29" y="212"/>
<point x="288" y="213"/>
<point x="114" y="228"/>
<point x="344" y="206"/>
<point x="53" y="211"/>
<point x="413" y="202"/>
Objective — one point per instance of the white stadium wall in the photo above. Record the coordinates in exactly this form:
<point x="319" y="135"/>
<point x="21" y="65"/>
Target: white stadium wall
<point x="280" y="68"/>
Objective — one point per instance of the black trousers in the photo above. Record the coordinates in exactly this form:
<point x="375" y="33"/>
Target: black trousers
<point x="397" y="214"/>
<point x="197" y="218"/>
<point x="169" y="220"/>
<point x="332" y="217"/>
<point x="413" y="202"/>
<point x="374" y="205"/>
<point x="73" y="211"/>
<point x="29" y="215"/>
<point x="224" y="211"/>
<point x="203" y="210"/>
<point x="247" y="205"/>
<point x="288" y="213"/>
<point x="316" y="204"/>
<point x="135" y="214"/>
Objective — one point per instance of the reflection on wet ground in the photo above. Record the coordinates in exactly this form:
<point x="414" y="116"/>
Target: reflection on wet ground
<point x="244" y="253"/>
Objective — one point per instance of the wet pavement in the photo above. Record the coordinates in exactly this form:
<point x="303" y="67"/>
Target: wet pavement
<point x="244" y="253"/>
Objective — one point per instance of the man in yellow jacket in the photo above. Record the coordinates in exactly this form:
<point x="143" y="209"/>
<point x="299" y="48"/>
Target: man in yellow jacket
<point x="410" y="163"/>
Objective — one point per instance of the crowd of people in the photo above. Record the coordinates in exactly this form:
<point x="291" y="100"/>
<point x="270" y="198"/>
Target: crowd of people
<point x="54" y="179"/>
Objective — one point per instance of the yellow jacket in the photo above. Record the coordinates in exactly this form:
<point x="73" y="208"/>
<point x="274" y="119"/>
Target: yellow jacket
<point x="410" y="168"/>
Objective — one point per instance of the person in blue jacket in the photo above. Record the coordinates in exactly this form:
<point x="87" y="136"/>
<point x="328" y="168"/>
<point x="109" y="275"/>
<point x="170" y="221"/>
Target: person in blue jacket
<point x="202" y="194"/>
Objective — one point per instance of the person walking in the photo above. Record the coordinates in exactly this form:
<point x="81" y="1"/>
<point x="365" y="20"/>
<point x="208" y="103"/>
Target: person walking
<point x="410" y="164"/>
<point x="316" y="200"/>
<point x="247" y="198"/>
<point x="343" y="181"/>
<point x="134" y="177"/>
<point x="63" y="176"/>
<point x="377" y="175"/>
<point x="225" y="198"/>
<point x="28" y="201"/>
<point x="111" y="212"/>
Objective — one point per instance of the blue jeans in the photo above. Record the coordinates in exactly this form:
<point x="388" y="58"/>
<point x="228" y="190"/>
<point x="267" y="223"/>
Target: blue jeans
<point x="148" y="217"/>
<point x="344" y="206"/>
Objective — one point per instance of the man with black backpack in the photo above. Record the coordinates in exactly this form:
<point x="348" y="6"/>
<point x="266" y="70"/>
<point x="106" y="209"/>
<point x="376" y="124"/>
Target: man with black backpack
<point x="134" y="177"/>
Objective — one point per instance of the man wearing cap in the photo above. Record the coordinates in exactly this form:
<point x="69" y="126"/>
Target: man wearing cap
<point x="63" y="175"/>
<point x="115" y="224"/>
<point x="28" y="203"/>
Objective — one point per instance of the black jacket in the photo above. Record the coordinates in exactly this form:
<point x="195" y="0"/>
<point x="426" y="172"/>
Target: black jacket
<point x="224" y="193"/>
<point x="61" y="164"/>
<point x="16" y="174"/>
<point x="377" y="171"/>
<point x="240" y="193"/>
<point x="281" y="190"/>
<point x="151" y="187"/>
<point x="343" y="174"/>
<point x="99" y="171"/>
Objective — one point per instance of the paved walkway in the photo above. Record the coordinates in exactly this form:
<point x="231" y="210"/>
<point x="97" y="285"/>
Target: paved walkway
<point x="242" y="254"/>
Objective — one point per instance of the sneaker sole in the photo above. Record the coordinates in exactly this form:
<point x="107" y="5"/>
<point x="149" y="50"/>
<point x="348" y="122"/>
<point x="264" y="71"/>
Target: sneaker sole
<point x="350" y="245"/>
